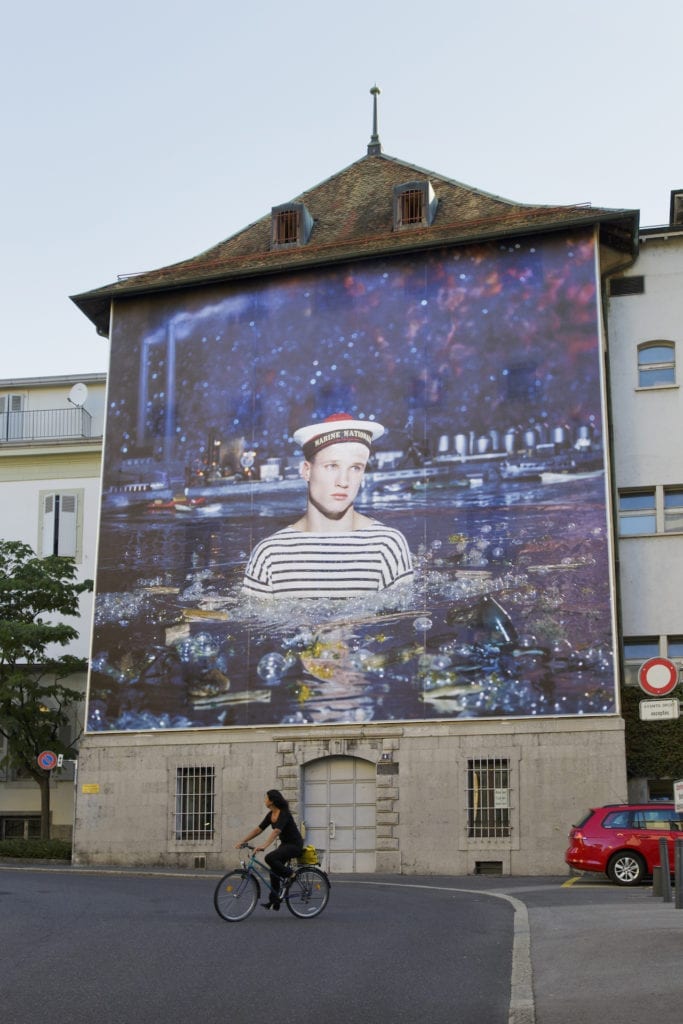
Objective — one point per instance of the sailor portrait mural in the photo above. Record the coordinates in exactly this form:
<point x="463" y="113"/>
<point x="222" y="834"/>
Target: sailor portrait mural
<point x="369" y="492"/>
<point x="333" y="550"/>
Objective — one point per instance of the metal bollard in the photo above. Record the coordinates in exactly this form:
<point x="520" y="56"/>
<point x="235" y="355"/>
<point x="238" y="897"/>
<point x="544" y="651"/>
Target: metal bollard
<point x="657" y="881"/>
<point x="678" y="870"/>
<point x="666" y="870"/>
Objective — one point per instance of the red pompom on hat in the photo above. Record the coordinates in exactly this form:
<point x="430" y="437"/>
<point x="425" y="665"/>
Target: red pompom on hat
<point x="340" y="428"/>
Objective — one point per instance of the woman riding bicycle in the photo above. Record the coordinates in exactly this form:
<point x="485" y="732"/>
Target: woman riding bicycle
<point x="280" y="819"/>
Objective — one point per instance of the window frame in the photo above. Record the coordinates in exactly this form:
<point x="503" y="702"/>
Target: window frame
<point x="655" y="367"/>
<point x="194" y="801"/>
<point x="45" y="546"/>
<point x="651" y="646"/>
<point x="12" y="409"/>
<point x="668" y="515"/>
<point x="290" y="215"/>
<point x="636" y="516"/>
<point x="488" y="798"/>
<point x="428" y="204"/>
<point x="664" y="513"/>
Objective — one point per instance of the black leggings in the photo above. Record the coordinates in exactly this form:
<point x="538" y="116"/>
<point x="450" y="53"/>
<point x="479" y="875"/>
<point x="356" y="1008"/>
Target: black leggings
<point x="276" y="861"/>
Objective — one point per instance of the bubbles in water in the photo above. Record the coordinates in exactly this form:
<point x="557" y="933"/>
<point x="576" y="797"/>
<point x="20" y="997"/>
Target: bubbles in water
<point x="199" y="648"/>
<point x="422" y="623"/>
<point x="561" y="648"/>
<point x="272" y="667"/>
<point x="526" y="642"/>
<point x="361" y="659"/>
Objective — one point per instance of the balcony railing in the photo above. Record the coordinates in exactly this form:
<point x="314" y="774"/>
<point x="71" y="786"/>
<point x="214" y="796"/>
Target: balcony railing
<point x="43" y="424"/>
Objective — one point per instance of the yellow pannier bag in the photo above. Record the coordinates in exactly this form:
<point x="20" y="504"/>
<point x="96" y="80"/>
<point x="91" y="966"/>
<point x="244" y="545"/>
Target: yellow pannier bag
<point x="309" y="855"/>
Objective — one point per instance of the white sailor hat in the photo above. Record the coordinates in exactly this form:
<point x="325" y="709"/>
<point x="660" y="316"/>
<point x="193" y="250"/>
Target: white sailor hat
<point x="341" y="428"/>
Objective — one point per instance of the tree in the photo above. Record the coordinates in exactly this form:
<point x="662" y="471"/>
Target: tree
<point x="34" y="704"/>
<point x="654" y="750"/>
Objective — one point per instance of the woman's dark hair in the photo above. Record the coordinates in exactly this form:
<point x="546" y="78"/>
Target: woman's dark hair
<point x="276" y="797"/>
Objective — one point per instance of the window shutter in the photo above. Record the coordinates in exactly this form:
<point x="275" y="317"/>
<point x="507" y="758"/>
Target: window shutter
<point x="47" y="546"/>
<point x="68" y="510"/>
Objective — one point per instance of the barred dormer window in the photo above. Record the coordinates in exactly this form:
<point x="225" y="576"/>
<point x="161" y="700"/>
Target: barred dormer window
<point x="411" y="206"/>
<point x="414" y="205"/>
<point x="291" y="225"/>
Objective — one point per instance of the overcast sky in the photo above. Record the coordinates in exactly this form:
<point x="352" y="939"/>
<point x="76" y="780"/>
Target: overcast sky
<point x="140" y="133"/>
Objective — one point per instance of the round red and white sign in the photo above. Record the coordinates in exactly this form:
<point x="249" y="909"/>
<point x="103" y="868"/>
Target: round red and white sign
<point x="658" y="676"/>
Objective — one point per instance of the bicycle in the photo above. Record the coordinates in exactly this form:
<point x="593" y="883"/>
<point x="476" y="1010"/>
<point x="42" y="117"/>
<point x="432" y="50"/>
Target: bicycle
<point x="306" y="891"/>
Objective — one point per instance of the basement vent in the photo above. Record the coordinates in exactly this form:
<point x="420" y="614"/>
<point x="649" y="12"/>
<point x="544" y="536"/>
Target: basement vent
<point x="414" y="205"/>
<point x="291" y="225"/>
<point x="627" y="285"/>
<point x="488" y="867"/>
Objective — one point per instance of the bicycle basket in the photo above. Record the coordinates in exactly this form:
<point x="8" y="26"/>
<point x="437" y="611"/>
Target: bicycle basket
<point x="309" y="856"/>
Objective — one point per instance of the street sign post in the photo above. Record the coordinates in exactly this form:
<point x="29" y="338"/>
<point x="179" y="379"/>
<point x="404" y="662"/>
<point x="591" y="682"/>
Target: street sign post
<point x="658" y="677"/>
<point x="659" y="710"/>
<point x="47" y="760"/>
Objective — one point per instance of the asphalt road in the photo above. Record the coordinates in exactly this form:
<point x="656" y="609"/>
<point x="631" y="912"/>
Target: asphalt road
<point x="122" y="948"/>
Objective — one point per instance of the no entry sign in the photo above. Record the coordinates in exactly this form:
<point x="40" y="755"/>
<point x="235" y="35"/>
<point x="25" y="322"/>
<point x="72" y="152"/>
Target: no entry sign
<point x="658" y="676"/>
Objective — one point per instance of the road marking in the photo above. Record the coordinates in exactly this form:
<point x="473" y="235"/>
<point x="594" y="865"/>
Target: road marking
<point x="522" y="1009"/>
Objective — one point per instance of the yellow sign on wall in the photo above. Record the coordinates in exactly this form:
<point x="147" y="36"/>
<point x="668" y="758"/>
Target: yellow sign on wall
<point x="90" y="787"/>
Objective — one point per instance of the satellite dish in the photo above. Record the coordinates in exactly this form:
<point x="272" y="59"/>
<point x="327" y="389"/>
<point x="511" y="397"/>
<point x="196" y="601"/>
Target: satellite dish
<point x="78" y="394"/>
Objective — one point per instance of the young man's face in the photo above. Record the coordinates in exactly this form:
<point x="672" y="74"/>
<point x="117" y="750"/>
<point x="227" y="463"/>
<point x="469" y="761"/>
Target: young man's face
<point x="334" y="477"/>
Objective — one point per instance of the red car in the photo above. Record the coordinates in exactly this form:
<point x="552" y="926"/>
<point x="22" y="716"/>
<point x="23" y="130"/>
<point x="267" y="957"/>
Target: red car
<point x="622" y="840"/>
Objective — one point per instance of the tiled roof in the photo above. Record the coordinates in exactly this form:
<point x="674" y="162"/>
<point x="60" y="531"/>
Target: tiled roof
<point x="353" y="219"/>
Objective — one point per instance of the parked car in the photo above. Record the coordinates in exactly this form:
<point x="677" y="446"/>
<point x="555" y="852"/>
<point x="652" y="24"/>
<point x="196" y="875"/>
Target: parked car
<point x="622" y="840"/>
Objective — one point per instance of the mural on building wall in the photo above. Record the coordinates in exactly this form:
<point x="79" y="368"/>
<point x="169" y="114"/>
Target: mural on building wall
<point x="483" y="365"/>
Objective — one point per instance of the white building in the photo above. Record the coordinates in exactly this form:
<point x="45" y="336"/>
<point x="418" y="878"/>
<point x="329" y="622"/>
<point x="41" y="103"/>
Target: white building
<point x="645" y="332"/>
<point x="50" y="458"/>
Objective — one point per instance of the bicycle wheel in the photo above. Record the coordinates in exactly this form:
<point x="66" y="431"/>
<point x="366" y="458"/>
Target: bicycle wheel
<point x="307" y="892"/>
<point x="236" y="895"/>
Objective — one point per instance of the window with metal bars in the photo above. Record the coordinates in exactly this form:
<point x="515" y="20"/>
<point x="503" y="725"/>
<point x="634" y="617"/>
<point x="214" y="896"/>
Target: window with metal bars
<point x="488" y="798"/>
<point x="195" y="802"/>
<point x="286" y="226"/>
<point x="291" y="225"/>
<point x="412" y="206"/>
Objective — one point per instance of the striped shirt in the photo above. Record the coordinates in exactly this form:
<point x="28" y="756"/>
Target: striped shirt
<point x="329" y="564"/>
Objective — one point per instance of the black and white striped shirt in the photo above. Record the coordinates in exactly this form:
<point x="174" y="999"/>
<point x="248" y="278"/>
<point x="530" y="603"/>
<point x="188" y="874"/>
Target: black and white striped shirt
<point x="329" y="564"/>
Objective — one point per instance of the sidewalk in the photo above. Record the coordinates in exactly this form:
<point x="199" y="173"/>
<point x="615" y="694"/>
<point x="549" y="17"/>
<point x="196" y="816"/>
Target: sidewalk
<point x="616" y="963"/>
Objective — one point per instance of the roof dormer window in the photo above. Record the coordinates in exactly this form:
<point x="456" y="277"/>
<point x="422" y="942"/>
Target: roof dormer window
<point x="414" y="205"/>
<point x="291" y="225"/>
<point x="676" y="209"/>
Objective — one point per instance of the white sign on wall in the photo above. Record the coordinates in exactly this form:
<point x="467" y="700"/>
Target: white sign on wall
<point x="678" y="794"/>
<point x="659" y="710"/>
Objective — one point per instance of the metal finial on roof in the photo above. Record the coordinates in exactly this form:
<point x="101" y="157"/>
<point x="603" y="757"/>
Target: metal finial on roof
<point x="374" y="146"/>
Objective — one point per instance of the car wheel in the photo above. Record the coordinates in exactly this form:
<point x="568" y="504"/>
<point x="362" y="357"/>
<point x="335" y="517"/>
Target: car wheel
<point x="626" y="868"/>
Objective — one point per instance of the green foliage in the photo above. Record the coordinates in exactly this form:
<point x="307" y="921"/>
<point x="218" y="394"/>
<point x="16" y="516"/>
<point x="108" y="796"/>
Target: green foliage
<point x="654" y="750"/>
<point x="36" y="594"/>
<point x="36" y="849"/>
